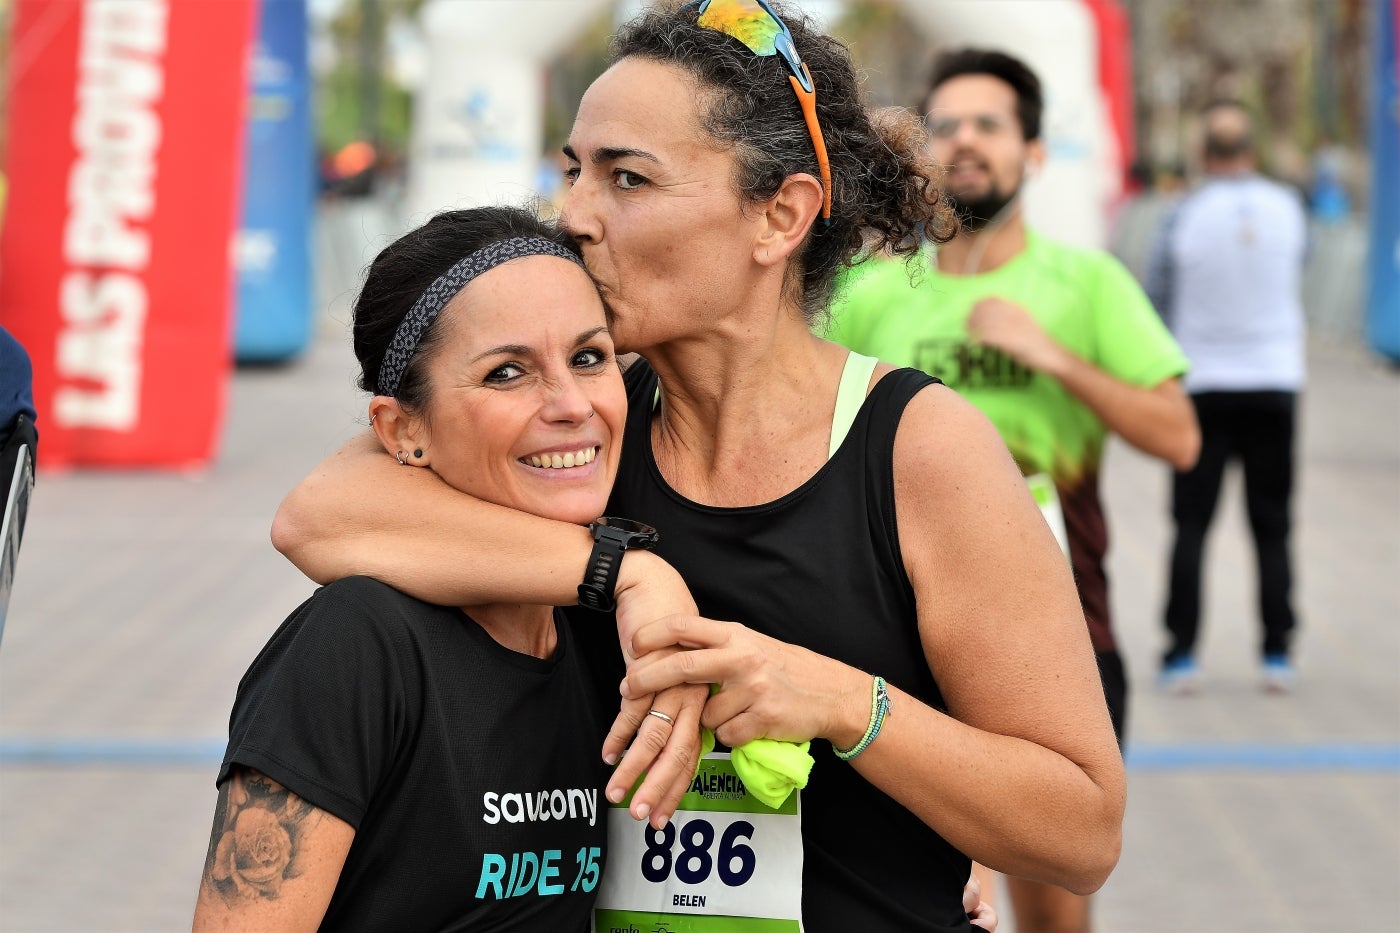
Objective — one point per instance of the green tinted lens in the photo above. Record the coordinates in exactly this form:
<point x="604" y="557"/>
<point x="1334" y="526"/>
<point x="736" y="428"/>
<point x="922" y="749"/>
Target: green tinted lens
<point x="746" y="20"/>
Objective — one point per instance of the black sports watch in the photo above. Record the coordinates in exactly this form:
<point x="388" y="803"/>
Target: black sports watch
<point x="611" y="536"/>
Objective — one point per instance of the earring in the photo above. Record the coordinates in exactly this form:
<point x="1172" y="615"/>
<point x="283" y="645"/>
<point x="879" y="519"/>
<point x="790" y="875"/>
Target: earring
<point x="418" y="453"/>
<point x="591" y="413"/>
<point x="399" y="457"/>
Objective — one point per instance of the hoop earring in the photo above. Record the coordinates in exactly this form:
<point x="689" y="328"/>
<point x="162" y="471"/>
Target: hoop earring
<point x="399" y="457"/>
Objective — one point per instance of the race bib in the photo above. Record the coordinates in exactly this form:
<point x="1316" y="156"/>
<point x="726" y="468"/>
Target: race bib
<point x="1048" y="498"/>
<point x="726" y="863"/>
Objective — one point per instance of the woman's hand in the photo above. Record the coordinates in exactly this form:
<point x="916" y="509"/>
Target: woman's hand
<point x="767" y="688"/>
<point x="982" y="914"/>
<point x="666" y="751"/>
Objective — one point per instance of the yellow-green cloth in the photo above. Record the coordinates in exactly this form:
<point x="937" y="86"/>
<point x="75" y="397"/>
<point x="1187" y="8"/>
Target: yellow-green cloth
<point x="770" y="769"/>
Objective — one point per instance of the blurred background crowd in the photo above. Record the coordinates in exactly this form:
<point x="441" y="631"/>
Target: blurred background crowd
<point x="1303" y="66"/>
<point x="395" y="98"/>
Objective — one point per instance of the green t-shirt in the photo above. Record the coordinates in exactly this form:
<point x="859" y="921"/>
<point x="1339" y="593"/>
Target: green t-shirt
<point x="1084" y="299"/>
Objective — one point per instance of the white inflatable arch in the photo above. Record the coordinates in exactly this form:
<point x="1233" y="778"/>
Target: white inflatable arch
<point x="479" y="118"/>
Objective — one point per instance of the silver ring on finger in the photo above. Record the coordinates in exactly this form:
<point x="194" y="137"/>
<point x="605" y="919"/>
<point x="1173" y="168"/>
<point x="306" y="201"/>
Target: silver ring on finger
<point x="662" y="716"/>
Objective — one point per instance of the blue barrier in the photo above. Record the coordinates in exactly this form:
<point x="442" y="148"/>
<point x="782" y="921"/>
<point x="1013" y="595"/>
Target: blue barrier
<point x="273" y="250"/>
<point x="1383" y="301"/>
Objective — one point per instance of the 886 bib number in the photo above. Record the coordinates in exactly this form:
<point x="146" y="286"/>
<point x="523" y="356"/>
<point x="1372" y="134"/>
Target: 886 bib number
<point x="734" y="860"/>
<point x="725" y="862"/>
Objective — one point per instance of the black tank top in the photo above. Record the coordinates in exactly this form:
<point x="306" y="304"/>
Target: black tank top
<point x="821" y="567"/>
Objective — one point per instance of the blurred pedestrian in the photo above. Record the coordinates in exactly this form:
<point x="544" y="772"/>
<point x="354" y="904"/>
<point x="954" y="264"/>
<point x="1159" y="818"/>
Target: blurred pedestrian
<point x="1227" y="278"/>
<point x="1137" y="217"/>
<point x="16" y="385"/>
<point x="1058" y="345"/>
<point x="18" y="443"/>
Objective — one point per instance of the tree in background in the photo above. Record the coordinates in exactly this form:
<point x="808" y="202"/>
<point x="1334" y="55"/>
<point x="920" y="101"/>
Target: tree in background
<point x="361" y="105"/>
<point x="893" y="51"/>
<point x="1300" y="65"/>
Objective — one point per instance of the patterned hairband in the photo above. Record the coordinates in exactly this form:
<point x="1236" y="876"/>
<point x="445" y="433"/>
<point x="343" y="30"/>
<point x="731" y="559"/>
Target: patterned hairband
<point x="426" y="309"/>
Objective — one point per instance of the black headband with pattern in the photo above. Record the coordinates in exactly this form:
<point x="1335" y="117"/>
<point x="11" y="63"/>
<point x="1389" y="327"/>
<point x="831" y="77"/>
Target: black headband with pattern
<point x="426" y="309"/>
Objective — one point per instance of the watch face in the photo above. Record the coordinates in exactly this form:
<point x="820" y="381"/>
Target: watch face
<point x="627" y="525"/>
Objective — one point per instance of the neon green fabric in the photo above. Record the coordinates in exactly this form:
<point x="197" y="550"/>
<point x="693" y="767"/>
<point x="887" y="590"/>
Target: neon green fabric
<point x="1083" y="298"/>
<point x="850" y="396"/>
<point x="770" y="769"/>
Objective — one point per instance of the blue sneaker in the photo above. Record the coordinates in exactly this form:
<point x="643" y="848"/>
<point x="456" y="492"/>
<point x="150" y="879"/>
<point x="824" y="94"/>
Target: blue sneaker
<point x="1181" y="676"/>
<point x="1279" y="674"/>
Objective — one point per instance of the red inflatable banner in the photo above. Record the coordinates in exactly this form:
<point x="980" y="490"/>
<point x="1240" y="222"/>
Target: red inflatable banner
<point x="1115" y="68"/>
<point x="125" y="132"/>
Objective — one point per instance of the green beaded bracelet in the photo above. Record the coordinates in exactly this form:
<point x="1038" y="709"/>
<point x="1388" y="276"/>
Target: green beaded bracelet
<point x="879" y="709"/>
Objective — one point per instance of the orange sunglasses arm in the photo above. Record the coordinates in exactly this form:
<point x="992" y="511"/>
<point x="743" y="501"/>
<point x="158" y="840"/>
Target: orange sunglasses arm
<point x="808" y="100"/>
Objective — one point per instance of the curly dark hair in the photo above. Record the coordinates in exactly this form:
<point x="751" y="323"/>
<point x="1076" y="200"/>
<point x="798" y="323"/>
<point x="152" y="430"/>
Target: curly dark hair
<point x="405" y="268"/>
<point x="886" y="192"/>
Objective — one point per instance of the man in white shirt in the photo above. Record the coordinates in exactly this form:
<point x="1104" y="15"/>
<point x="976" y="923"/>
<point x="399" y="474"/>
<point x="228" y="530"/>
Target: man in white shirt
<point x="1226" y="279"/>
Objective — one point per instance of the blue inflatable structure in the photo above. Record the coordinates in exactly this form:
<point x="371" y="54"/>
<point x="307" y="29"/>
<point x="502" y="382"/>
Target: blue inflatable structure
<point x="274" y="302"/>
<point x="1383" y="299"/>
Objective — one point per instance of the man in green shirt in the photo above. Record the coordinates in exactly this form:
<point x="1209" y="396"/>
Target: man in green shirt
<point x="1056" y="344"/>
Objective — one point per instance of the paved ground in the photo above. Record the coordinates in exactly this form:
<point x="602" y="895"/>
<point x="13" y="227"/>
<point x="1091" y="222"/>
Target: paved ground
<point x="141" y="598"/>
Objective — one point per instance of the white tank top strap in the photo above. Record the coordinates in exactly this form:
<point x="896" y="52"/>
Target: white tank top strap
<point x="850" y="395"/>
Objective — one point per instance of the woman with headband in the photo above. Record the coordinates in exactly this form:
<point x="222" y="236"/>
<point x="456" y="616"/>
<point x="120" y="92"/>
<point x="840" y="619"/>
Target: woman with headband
<point x="373" y="778"/>
<point x="871" y="571"/>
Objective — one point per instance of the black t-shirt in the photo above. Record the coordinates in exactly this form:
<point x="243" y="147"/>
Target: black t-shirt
<point x="819" y="567"/>
<point x="471" y="773"/>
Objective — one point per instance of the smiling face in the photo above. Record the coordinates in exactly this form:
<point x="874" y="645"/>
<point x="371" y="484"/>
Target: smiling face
<point x="653" y="204"/>
<point x="527" y="405"/>
<point x="974" y="131"/>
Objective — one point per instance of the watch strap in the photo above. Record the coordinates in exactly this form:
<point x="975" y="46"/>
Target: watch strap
<point x="600" y="578"/>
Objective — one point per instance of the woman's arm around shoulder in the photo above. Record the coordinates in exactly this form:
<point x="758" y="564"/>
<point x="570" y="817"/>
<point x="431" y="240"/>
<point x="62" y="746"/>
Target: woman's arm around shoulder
<point x="360" y="512"/>
<point x="274" y="859"/>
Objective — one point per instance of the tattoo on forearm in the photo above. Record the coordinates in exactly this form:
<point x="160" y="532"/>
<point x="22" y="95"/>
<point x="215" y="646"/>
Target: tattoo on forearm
<point x="254" y="845"/>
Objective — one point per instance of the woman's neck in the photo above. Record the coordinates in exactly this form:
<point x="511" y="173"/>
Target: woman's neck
<point x="751" y="400"/>
<point x="521" y="628"/>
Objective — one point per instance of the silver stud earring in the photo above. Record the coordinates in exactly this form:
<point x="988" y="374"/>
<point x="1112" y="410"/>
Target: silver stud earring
<point x="591" y="413"/>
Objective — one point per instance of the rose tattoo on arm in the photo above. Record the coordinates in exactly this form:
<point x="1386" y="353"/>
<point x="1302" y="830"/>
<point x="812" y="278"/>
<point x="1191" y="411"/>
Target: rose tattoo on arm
<point x="256" y="837"/>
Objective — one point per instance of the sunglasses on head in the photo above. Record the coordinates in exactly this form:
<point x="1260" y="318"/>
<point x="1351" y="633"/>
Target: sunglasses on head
<point x="754" y="23"/>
